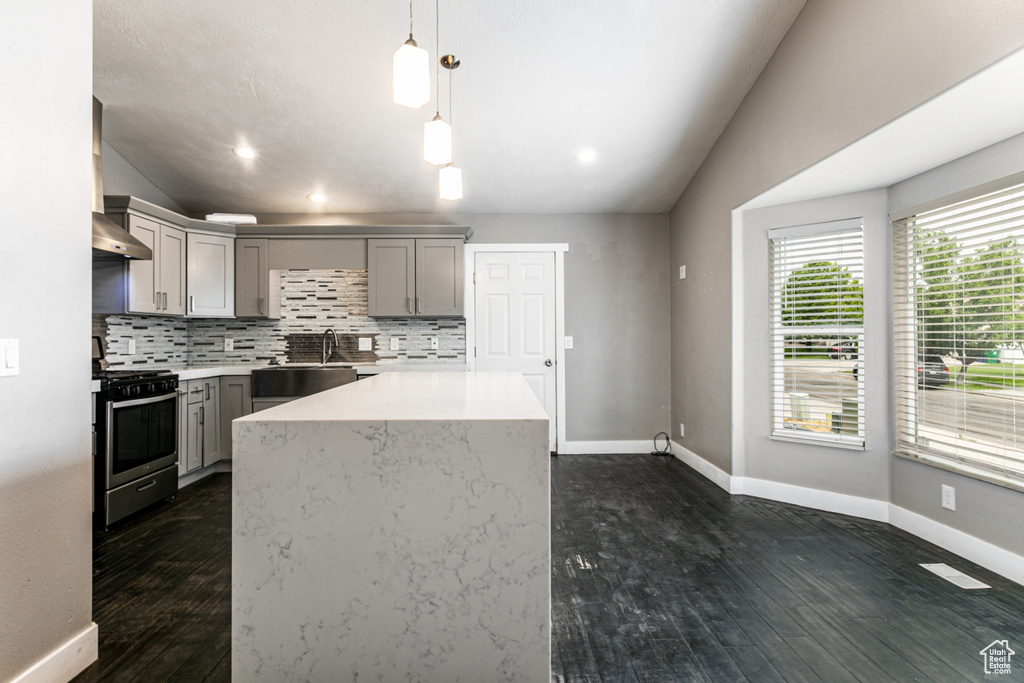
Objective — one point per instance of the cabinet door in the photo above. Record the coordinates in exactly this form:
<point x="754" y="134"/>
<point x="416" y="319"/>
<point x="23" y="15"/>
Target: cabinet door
<point x="391" y="277"/>
<point x="182" y="428"/>
<point x="210" y="418"/>
<point x="142" y="275"/>
<point x="439" y="285"/>
<point x="235" y="401"/>
<point x="251" y="277"/>
<point x="211" y="275"/>
<point x="171" y="278"/>
<point x="194" y="442"/>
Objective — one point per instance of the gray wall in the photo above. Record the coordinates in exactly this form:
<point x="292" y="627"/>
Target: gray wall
<point x="839" y="470"/>
<point x="45" y="442"/>
<point x="843" y="70"/>
<point x="616" y="308"/>
<point x="121" y="178"/>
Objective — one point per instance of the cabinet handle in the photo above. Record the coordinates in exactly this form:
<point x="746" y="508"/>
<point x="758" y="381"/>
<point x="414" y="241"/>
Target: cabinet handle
<point x="165" y="301"/>
<point x="408" y="302"/>
<point x="207" y="385"/>
<point x="202" y="415"/>
<point x="419" y="304"/>
<point x="191" y="303"/>
<point x="261" y="305"/>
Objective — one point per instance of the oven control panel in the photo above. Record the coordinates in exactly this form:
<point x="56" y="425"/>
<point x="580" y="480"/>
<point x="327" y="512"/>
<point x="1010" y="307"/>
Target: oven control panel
<point x="127" y="389"/>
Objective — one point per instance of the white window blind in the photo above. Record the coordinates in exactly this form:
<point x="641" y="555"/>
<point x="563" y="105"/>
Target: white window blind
<point x="959" y="328"/>
<point x="817" y="332"/>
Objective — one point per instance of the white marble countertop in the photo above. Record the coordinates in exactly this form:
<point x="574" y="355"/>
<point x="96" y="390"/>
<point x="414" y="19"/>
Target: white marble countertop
<point x="415" y="396"/>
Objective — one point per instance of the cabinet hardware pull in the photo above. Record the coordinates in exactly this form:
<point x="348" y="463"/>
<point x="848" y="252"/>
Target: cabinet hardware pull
<point x="419" y="304"/>
<point x="261" y="305"/>
<point x="165" y="301"/>
<point x="202" y="415"/>
<point x="147" y="485"/>
<point x="408" y="302"/>
<point x="192" y="303"/>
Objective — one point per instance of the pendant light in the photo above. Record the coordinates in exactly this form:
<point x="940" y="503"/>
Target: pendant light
<point x="411" y="72"/>
<point x="449" y="182"/>
<point x="437" y="135"/>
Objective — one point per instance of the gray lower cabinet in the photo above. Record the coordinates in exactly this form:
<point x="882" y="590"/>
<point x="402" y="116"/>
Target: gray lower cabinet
<point x="235" y="401"/>
<point x="415" y="277"/>
<point x="211" y="275"/>
<point x="198" y="424"/>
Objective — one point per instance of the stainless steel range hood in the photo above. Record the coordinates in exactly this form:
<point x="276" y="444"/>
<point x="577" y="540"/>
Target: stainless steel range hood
<point x="109" y="240"/>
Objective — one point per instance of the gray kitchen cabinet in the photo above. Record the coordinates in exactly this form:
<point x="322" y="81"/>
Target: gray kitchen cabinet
<point x="157" y="286"/>
<point x="211" y="275"/>
<point x="257" y="289"/>
<point x="235" y="401"/>
<point x="415" y="277"/>
<point x="198" y="424"/>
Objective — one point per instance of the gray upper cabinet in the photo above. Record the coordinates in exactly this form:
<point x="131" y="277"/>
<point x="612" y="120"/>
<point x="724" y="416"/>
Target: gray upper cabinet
<point x="257" y="290"/>
<point x="415" y="277"/>
<point x="211" y="275"/>
<point x="157" y="286"/>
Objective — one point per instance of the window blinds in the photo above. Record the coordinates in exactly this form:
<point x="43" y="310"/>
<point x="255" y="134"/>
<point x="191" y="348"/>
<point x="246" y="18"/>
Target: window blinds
<point x="817" y="332"/>
<point x="959" y="327"/>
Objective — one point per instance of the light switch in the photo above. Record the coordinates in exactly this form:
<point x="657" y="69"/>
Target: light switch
<point x="229" y="344"/>
<point x="9" y="363"/>
<point x="394" y="343"/>
<point x="131" y="347"/>
<point x="366" y="343"/>
<point x="568" y="342"/>
<point x="682" y="272"/>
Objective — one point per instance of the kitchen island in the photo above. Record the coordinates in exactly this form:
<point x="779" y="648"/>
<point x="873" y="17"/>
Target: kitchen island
<point x="394" y="529"/>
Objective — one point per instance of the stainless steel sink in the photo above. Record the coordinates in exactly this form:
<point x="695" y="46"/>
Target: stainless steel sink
<point x="291" y="380"/>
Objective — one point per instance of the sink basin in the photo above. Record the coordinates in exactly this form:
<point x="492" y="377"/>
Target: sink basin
<point x="299" y="380"/>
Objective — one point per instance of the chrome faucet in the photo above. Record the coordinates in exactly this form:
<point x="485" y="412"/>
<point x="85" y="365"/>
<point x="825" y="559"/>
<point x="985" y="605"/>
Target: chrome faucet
<point x="325" y="350"/>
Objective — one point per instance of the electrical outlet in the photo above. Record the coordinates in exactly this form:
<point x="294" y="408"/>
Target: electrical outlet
<point x="433" y="343"/>
<point x="568" y="342"/>
<point x="948" y="497"/>
<point x="682" y="430"/>
<point x="229" y="344"/>
<point x="394" y="343"/>
<point x="131" y="347"/>
<point x="682" y="272"/>
<point x="366" y="343"/>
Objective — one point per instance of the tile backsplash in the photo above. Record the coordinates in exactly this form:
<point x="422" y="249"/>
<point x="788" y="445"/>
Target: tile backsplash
<point x="312" y="301"/>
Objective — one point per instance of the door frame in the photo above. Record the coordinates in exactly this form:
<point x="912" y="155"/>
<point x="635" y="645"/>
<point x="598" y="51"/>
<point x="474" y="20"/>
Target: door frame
<point x="558" y="249"/>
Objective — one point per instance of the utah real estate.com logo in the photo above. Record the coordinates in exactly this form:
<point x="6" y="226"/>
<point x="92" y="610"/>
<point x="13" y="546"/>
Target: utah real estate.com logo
<point x="997" y="657"/>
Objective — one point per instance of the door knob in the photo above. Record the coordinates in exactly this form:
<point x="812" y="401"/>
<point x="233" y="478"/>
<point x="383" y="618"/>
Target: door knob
<point x="548" y="362"/>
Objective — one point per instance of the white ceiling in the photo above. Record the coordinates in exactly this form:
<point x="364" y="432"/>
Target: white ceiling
<point x="649" y="84"/>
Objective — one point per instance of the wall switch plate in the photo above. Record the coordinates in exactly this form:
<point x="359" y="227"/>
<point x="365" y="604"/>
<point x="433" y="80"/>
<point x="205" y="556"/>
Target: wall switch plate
<point x="10" y="363"/>
<point x="682" y="430"/>
<point x="366" y="343"/>
<point x="568" y="342"/>
<point x="948" y="497"/>
<point x="131" y="347"/>
<point x="433" y="343"/>
<point x="229" y="344"/>
<point x="682" y="272"/>
<point x="394" y="343"/>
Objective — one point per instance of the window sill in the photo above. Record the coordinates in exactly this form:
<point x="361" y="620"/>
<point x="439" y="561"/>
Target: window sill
<point x="961" y="469"/>
<point x="852" y="443"/>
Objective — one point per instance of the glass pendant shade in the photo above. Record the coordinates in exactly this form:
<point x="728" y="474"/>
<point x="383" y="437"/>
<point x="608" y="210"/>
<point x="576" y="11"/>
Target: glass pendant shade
<point x="450" y="183"/>
<point x="411" y="75"/>
<point x="437" y="141"/>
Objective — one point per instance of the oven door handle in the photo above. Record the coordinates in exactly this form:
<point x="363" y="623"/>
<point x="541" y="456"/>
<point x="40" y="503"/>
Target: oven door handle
<point x="117" y="405"/>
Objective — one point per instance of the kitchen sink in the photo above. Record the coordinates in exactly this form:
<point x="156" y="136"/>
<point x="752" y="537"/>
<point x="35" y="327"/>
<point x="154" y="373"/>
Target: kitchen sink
<point x="299" y="380"/>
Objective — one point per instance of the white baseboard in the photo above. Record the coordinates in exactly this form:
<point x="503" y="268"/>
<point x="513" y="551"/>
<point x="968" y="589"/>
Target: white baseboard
<point x="719" y="476"/>
<point x="194" y="476"/>
<point x="65" y="662"/>
<point x="605" y="447"/>
<point x="992" y="557"/>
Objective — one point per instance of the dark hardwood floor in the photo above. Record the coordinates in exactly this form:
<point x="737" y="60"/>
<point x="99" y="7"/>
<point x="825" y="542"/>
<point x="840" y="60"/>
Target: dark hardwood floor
<point x="657" y="575"/>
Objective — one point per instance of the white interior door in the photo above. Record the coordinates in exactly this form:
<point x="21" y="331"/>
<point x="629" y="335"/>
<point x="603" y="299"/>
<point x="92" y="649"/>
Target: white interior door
<point x="515" y="321"/>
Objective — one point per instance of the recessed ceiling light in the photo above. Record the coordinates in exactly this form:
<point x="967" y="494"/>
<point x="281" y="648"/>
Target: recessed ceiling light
<point x="245" y="152"/>
<point x="316" y="197"/>
<point x="586" y="155"/>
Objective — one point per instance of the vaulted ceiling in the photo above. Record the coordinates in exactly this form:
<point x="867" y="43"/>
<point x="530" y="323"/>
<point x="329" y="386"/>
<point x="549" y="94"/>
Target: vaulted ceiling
<point x="648" y="84"/>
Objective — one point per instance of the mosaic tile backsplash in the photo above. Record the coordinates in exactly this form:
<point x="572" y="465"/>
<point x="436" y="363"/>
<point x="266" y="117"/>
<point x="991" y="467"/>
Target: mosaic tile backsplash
<point x="312" y="301"/>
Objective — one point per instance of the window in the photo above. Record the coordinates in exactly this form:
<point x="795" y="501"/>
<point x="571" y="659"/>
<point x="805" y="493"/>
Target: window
<point x="817" y="333"/>
<point x="959" y="328"/>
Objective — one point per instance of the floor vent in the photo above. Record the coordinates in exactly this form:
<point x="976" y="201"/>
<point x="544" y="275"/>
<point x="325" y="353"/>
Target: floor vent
<point x="955" y="576"/>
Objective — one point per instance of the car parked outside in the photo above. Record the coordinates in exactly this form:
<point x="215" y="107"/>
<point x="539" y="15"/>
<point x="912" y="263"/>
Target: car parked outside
<point x="845" y="349"/>
<point x="931" y="371"/>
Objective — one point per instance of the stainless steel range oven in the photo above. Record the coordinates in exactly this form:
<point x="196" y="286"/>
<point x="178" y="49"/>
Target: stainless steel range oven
<point x="136" y="442"/>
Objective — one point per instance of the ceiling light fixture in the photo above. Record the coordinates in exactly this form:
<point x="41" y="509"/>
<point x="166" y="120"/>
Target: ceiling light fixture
<point x="411" y="77"/>
<point x="437" y="135"/>
<point x="316" y="197"/>
<point x="245" y="152"/>
<point x="586" y="155"/>
<point x="450" y="178"/>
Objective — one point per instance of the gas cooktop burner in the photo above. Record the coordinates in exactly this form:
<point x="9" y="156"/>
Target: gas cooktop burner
<point x="128" y="374"/>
